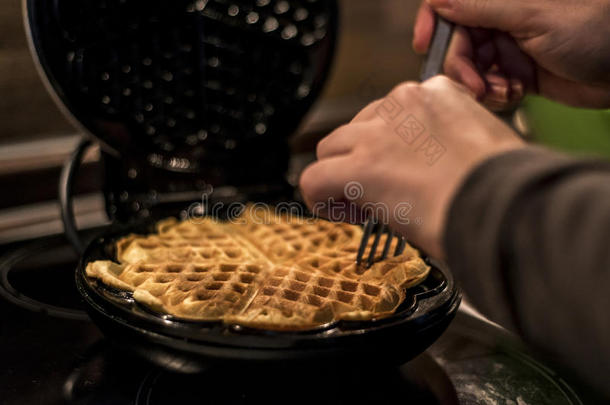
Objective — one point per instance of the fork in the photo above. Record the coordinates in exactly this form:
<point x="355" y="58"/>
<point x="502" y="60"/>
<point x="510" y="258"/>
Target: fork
<point x="369" y="227"/>
<point x="432" y="66"/>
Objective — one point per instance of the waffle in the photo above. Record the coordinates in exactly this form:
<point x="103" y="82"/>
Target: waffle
<point x="262" y="270"/>
<point x="291" y="298"/>
<point x="286" y="238"/>
<point x="206" y="240"/>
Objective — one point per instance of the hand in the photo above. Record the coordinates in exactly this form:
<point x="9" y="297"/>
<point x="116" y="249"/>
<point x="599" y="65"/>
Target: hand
<point x="503" y="49"/>
<point x="408" y="152"/>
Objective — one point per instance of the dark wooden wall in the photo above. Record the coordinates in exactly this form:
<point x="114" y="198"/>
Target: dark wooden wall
<point x="25" y="108"/>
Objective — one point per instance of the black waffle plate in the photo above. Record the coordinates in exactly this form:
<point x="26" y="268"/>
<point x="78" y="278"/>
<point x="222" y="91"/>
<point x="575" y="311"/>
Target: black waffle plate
<point x="417" y="323"/>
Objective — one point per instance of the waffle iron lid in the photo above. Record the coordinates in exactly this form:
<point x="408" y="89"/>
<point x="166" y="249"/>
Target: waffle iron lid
<point x="177" y="77"/>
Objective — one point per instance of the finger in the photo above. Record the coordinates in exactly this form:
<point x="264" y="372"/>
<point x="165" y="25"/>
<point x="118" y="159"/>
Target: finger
<point x="325" y="181"/>
<point x="513" y="61"/>
<point x="517" y="90"/>
<point x="498" y="95"/>
<point x="485" y="55"/>
<point x="424" y="28"/>
<point x="340" y="142"/>
<point x="459" y="64"/>
<point x="368" y="113"/>
<point x="572" y="93"/>
<point x="442" y="83"/>
<point x="497" y="14"/>
<point x="480" y="35"/>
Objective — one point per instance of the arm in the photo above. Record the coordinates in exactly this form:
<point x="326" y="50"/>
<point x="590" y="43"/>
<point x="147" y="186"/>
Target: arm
<point x="525" y="230"/>
<point x="528" y="235"/>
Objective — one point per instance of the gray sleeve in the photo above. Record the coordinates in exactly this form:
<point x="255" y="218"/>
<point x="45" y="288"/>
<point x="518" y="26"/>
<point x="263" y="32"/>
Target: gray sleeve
<point x="528" y="237"/>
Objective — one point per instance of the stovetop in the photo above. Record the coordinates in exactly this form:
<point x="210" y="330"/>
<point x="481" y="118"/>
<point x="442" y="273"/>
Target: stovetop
<point x="52" y="354"/>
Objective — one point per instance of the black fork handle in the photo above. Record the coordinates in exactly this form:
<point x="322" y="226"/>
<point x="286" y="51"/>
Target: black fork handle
<point x="438" y="49"/>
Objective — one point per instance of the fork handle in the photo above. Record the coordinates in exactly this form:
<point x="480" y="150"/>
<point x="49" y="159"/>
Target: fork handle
<point x="438" y="49"/>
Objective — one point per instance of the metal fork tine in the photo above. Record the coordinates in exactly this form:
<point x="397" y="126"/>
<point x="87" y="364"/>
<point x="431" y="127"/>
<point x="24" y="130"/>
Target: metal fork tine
<point x="380" y="230"/>
<point x="388" y="242"/>
<point x="402" y="243"/>
<point x="368" y="229"/>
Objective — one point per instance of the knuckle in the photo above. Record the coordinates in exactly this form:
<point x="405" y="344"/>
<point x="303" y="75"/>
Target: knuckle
<point x="446" y="83"/>
<point x="308" y="181"/>
<point x="321" y="147"/>
<point x="373" y="104"/>
<point x="339" y="131"/>
<point x="324" y="142"/>
<point x="367" y="112"/>
<point x="441" y="81"/>
<point x="405" y="88"/>
<point x="404" y="95"/>
<point x="461" y="6"/>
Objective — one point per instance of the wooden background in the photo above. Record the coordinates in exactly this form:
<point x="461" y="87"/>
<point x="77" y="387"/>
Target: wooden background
<point x="25" y="108"/>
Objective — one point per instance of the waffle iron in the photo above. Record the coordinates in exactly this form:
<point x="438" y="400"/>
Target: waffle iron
<point x="198" y="98"/>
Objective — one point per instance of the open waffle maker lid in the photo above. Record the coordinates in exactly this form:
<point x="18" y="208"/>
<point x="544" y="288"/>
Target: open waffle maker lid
<point x="192" y="87"/>
<point x="185" y="82"/>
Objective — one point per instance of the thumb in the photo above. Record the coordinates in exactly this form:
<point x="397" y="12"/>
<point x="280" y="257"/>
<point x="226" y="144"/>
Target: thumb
<point x="502" y="15"/>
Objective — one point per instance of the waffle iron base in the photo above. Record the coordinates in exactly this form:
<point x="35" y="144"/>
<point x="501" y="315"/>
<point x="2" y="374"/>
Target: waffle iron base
<point x="192" y="346"/>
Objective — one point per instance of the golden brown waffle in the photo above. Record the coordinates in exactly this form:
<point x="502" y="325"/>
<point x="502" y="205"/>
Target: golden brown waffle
<point x="285" y="237"/>
<point x="261" y="270"/>
<point x="291" y="298"/>
<point x="200" y="291"/>
<point x="203" y="240"/>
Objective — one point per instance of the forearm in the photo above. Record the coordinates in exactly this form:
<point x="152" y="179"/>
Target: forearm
<point x="528" y="236"/>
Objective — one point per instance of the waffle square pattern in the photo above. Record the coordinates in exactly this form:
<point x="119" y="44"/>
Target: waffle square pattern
<point x="264" y="270"/>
